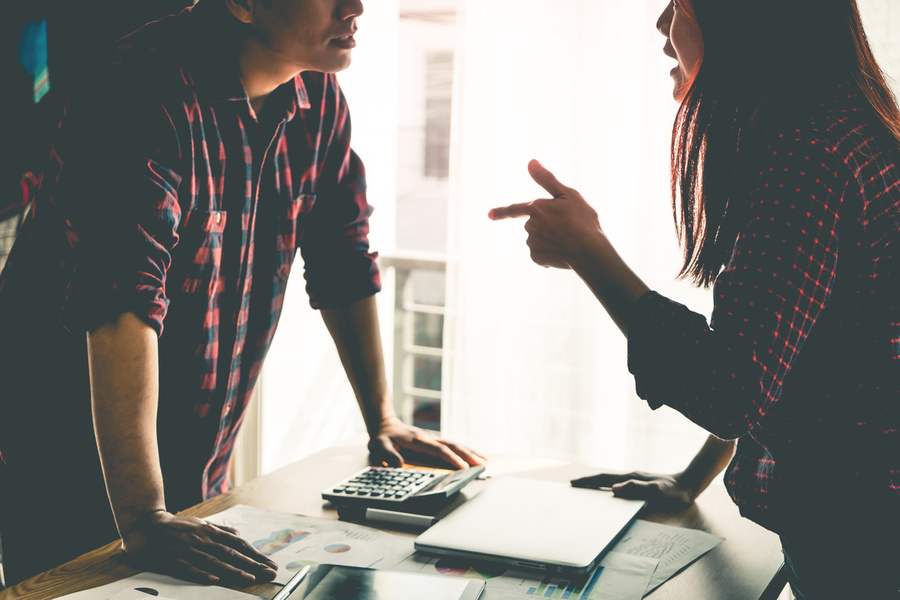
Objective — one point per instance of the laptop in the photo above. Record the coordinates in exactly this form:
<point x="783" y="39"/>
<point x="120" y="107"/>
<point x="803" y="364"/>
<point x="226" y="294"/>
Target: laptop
<point x="536" y="525"/>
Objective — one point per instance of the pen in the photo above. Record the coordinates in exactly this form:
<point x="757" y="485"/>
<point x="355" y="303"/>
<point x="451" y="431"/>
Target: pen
<point x="291" y="585"/>
<point x="400" y="518"/>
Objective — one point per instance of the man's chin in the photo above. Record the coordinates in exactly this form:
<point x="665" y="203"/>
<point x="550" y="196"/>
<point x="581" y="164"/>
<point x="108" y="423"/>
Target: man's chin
<point x="335" y="60"/>
<point x="333" y="66"/>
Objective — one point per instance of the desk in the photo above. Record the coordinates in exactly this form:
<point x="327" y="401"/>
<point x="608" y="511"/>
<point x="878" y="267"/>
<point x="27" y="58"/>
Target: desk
<point x="738" y="569"/>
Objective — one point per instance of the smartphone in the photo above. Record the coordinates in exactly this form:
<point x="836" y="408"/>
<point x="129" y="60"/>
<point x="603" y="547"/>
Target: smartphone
<point x="338" y="582"/>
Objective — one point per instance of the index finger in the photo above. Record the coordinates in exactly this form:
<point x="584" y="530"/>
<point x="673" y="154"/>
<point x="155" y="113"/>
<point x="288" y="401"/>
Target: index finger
<point x="546" y="179"/>
<point x="522" y="209"/>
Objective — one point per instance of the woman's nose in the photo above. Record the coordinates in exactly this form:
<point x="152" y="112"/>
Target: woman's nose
<point x="663" y="24"/>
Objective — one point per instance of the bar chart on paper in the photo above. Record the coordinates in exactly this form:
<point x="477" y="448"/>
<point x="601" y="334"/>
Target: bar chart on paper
<point x="567" y="590"/>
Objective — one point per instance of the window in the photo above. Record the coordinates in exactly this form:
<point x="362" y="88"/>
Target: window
<point x="418" y="340"/>
<point x="438" y="93"/>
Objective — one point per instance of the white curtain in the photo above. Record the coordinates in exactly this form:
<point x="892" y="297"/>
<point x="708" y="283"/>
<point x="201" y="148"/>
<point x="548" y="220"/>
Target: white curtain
<point x="533" y="364"/>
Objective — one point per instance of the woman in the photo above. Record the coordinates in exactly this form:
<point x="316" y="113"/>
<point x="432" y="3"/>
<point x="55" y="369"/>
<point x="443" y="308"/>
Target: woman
<point x="786" y="193"/>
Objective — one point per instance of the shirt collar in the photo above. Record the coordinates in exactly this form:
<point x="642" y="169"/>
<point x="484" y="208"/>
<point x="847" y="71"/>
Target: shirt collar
<point x="214" y="44"/>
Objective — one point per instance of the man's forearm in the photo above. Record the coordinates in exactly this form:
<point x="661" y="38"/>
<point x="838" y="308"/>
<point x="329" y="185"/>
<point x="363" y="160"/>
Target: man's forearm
<point x="357" y="337"/>
<point x="124" y="372"/>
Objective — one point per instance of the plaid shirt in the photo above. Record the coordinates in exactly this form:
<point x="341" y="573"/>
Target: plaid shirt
<point x="167" y="197"/>
<point x="801" y="361"/>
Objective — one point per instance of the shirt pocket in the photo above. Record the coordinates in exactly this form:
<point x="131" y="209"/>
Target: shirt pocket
<point x="201" y="239"/>
<point x="289" y="226"/>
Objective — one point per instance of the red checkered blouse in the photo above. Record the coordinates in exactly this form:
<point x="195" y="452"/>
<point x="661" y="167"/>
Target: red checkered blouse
<point x="801" y="360"/>
<point x="166" y="196"/>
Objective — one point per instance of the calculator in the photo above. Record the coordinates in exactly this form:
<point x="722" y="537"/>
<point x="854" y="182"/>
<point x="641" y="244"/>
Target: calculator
<point x="400" y="488"/>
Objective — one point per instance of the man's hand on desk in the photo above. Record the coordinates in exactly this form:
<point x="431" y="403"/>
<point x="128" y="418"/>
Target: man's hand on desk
<point x="196" y="550"/>
<point x="394" y="436"/>
<point x="664" y="491"/>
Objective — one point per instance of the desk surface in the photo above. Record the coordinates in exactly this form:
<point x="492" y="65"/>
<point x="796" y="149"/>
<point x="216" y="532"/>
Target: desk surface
<point x="738" y="569"/>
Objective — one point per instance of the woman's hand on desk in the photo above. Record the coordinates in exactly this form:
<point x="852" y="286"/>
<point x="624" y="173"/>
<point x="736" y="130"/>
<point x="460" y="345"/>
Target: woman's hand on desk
<point x="195" y="550"/>
<point x="665" y="491"/>
<point x="394" y="436"/>
<point x="670" y="491"/>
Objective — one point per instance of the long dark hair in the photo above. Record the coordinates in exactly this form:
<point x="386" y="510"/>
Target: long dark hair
<point x="761" y="62"/>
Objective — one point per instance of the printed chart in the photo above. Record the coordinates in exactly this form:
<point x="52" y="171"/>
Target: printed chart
<point x="567" y="589"/>
<point x="574" y="590"/>
<point x="294" y="541"/>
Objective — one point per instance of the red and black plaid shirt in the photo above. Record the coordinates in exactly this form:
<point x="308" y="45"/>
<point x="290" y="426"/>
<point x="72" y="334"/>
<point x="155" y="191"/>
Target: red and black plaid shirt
<point x="801" y="361"/>
<point x="167" y="197"/>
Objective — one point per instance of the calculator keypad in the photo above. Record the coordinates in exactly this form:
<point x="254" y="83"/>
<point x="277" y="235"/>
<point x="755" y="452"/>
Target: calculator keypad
<point x="386" y="483"/>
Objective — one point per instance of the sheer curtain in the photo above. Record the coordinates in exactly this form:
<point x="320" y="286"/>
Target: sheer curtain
<point x="533" y="362"/>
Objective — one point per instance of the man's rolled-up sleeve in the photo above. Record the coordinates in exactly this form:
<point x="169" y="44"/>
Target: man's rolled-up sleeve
<point x="339" y="268"/>
<point x="117" y="188"/>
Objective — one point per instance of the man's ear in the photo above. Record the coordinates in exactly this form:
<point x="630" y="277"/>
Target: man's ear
<point x="241" y="9"/>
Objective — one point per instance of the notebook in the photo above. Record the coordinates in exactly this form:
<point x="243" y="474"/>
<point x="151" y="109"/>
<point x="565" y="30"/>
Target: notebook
<point x="539" y="525"/>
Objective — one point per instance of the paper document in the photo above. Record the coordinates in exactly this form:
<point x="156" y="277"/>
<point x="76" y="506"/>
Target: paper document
<point x="674" y="547"/>
<point x="625" y="576"/>
<point x="162" y="587"/>
<point x="619" y="577"/>
<point x="294" y="541"/>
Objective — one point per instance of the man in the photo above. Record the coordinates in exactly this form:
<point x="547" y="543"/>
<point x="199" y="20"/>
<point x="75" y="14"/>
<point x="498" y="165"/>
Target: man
<point x="142" y="295"/>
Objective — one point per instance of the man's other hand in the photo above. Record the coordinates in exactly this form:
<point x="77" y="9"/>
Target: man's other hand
<point x="394" y="436"/>
<point x="195" y="550"/>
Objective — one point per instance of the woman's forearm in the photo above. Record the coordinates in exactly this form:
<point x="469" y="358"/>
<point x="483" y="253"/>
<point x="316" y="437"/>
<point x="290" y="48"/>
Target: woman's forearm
<point x="713" y="456"/>
<point x="611" y="280"/>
